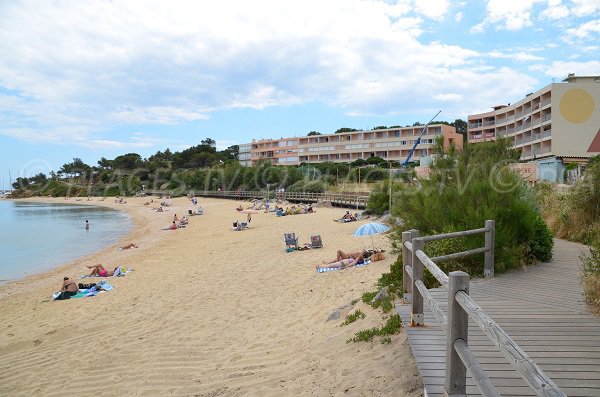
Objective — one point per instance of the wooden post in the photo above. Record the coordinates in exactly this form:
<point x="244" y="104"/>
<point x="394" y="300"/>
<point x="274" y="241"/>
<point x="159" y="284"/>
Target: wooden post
<point x="458" y="328"/>
<point x="416" y="316"/>
<point x="406" y="257"/>
<point x="490" y="236"/>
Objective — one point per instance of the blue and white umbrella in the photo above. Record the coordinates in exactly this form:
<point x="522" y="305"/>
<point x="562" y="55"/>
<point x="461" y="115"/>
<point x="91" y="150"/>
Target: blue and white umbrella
<point x="370" y="229"/>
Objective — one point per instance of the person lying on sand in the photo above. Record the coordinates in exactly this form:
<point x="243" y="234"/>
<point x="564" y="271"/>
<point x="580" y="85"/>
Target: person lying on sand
<point x="126" y="247"/>
<point x="344" y="263"/>
<point x="341" y="255"/>
<point x="100" y="271"/>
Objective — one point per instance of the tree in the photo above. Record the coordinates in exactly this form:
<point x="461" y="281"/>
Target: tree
<point x="75" y="168"/>
<point x="127" y="161"/>
<point x="105" y="163"/>
<point x="381" y="127"/>
<point x="231" y="153"/>
<point x="344" y="129"/>
<point x="209" y="142"/>
<point x="358" y="163"/>
<point x="374" y="160"/>
<point x="314" y="133"/>
<point x="460" y="125"/>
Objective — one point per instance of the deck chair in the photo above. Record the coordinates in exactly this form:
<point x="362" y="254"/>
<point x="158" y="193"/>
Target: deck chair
<point x="291" y="241"/>
<point x="315" y="241"/>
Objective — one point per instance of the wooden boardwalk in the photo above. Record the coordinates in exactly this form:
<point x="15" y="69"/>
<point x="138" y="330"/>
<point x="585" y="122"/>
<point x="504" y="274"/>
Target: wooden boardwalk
<point x="542" y="309"/>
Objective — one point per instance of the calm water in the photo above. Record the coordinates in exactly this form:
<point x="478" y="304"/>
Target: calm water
<point x="35" y="237"/>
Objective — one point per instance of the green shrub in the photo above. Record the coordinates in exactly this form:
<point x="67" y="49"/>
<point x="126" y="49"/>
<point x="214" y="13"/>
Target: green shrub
<point x="391" y="327"/>
<point x="307" y="186"/>
<point x="541" y="245"/>
<point x="462" y="192"/>
<point x="367" y="297"/>
<point x="353" y="317"/>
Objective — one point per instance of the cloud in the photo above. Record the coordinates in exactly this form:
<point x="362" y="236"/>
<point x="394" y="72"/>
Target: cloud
<point x="555" y="10"/>
<point x="517" y="56"/>
<point x="507" y="15"/>
<point x="158" y="115"/>
<point x="434" y="9"/>
<point x="582" y="8"/>
<point x="586" y="30"/>
<point x="560" y="69"/>
<point x="448" y="97"/>
<point x="71" y="71"/>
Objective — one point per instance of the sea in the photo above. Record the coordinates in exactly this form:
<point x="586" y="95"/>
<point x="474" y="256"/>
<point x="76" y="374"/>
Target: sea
<point x="36" y="237"/>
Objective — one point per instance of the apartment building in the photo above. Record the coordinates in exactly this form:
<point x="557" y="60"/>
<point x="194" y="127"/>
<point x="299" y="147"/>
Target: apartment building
<point x="389" y="144"/>
<point x="244" y="154"/>
<point x="552" y="127"/>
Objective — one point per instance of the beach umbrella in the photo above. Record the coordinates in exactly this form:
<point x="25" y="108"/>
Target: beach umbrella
<point x="371" y="229"/>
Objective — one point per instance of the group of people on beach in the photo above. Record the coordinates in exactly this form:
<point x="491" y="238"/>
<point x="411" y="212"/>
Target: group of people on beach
<point x="294" y="210"/>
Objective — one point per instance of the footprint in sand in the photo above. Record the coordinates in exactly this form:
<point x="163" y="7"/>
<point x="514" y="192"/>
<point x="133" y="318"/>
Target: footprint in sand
<point x="236" y="357"/>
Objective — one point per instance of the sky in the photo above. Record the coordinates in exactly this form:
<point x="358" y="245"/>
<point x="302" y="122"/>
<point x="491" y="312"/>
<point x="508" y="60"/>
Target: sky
<point x="92" y="79"/>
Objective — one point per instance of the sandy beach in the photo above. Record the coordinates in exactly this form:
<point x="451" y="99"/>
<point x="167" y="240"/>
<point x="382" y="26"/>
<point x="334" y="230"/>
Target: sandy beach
<point x="207" y="312"/>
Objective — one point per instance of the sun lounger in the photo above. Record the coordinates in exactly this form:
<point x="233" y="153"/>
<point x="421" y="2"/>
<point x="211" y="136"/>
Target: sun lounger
<point x="315" y="241"/>
<point x="291" y="241"/>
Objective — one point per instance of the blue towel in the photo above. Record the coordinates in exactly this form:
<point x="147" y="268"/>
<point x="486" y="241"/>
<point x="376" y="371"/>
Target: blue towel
<point x="328" y="269"/>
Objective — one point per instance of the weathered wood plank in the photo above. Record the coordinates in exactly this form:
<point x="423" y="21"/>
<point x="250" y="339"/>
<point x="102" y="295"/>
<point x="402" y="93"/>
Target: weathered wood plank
<point x="542" y="310"/>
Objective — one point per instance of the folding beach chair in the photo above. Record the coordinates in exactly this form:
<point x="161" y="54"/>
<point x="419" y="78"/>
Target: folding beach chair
<point x="315" y="241"/>
<point x="291" y="241"/>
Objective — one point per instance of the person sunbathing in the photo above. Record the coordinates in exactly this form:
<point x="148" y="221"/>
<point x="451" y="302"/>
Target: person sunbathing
<point x="69" y="287"/>
<point x="100" y="271"/>
<point x="341" y="255"/>
<point x="126" y="247"/>
<point x="344" y="263"/>
<point x="240" y="208"/>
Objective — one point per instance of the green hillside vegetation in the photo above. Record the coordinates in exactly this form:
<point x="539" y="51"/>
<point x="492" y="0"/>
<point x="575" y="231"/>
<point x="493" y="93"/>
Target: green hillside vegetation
<point x="198" y="168"/>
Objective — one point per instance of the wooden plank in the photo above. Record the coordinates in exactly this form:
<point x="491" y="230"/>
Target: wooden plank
<point x="542" y="309"/>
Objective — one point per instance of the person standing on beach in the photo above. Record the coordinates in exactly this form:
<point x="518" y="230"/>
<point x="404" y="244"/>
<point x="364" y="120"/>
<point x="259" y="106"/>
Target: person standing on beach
<point x="87" y="225"/>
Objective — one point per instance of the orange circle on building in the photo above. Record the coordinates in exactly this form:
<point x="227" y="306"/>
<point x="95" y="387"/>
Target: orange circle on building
<point x="576" y="105"/>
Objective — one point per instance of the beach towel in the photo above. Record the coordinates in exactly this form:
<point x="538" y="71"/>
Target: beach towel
<point x="328" y="269"/>
<point x="120" y="272"/>
<point x="84" y="292"/>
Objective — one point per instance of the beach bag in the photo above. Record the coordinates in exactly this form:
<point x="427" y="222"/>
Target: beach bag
<point x="378" y="256"/>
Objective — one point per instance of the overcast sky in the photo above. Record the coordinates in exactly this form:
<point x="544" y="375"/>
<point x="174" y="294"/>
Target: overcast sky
<point x="94" y="79"/>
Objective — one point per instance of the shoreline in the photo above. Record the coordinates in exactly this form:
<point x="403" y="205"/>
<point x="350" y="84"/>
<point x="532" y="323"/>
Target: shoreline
<point x="207" y="311"/>
<point x="69" y="267"/>
<point x="60" y="265"/>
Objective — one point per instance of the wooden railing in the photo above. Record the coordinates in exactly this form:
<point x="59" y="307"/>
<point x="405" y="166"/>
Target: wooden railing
<point x="461" y="307"/>
<point x="350" y="200"/>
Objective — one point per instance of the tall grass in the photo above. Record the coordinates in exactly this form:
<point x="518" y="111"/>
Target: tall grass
<point x="574" y="213"/>
<point x="590" y="276"/>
